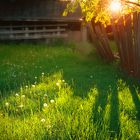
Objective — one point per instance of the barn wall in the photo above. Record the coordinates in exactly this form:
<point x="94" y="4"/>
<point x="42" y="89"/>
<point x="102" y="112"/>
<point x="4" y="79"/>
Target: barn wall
<point x="33" y="9"/>
<point x="41" y="12"/>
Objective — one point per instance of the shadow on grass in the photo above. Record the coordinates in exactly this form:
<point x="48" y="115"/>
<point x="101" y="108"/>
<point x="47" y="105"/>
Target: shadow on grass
<point x="136" y="100"/>
<point x="114" y="114"/>
<point x="134" y="87"/>
<point x="99" y="111"/>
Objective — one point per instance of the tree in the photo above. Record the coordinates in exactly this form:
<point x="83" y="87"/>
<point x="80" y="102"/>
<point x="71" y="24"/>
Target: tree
<point x="124" y="17"/>
<point x="102" y="10"/>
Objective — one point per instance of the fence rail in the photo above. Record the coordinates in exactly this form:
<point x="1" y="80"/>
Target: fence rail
<point x="33" y="31"/>
<point x="126" y="32"/>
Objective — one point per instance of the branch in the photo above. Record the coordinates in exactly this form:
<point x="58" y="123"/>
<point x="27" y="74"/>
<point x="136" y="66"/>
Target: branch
<point x="134" y="3"/>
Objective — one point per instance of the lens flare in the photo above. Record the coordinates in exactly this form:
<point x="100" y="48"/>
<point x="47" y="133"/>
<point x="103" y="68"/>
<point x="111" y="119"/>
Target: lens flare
<point x="115" y="6"/>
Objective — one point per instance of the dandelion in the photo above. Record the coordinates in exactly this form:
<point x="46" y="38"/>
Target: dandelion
<point x="17" y="94"/>
<point x="33" y="86"/>
<point x="91" y="76"/>
<point x="23" y="96"/>
<point x="63" y="80"/>
<point x="45" y="105"/>
<point x="26" y="86"/>
<point x="7" y="104"/>
<point x="52" y="101"/>
<point x="42" y="73"/>
<point x="58" y="84"/>
<point x="43" y="120"/>
<point x="48" y="126"/>
<point x="20" y="106"/>
<point x="45" y="95"/>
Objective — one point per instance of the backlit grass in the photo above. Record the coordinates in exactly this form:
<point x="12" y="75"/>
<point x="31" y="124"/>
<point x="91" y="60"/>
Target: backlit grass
<point x="62" y="92"/>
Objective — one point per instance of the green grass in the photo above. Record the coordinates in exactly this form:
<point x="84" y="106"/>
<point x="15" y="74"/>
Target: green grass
<point x="65" y="91"/>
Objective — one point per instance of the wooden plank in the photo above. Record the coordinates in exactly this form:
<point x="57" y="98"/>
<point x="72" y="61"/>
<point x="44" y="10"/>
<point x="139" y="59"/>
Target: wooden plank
<point x="123" y="41"/>
<point x="135" y="29"/>
<point x="116" y="38"/>
<point x="106" y="41"/>
<point x="129" y="43"/>
<point x="104" y="44"/>
<point x="138" y="47"/>
<point x="34" y="26"/>
<point x="102" y="48"/>
<point x="37" y="36"/>
<point x="32" y="31"/>
<point x="95" y="40"/>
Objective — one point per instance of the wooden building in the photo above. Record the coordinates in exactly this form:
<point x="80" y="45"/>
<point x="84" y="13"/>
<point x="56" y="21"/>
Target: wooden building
<point x="39" y="19"/>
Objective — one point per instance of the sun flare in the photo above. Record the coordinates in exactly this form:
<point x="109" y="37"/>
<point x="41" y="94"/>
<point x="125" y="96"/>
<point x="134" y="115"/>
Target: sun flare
<point x="115" y="6"/>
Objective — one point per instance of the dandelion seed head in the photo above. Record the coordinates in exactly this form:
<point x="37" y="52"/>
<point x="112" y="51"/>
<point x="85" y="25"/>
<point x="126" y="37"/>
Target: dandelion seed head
<point x="91" y="76"/>
<point x="7" y="104"/>
<point x="45" y="105"/>
<point x="20" y="106"/>
<point x="58" y="84"/>
<point x="23" y="96"/>
<point x="17" y="94"/>
<point x="43" y="120"/>
<point x="52" y="101"/>
<point x="33" y="86"/>
<point x="45" y="95"/>
<point x="48" y="126"/>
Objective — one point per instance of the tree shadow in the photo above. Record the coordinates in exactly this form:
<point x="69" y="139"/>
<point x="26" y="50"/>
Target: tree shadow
<point x="134" y="87"/>
<point x="100" y="108"/>
<point x="114" y="114"/>
<point x="135" y="99"/>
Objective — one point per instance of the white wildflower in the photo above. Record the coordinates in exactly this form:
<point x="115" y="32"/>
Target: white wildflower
<point x="7" y="104"/>
<point x="45" y="95"/>
<point x="35" y="77"/>
<point x="91" y="76"/>
<point x="52" y="101"/>
<point x="26" y="86"/>
<point x="23" y="96"/>
<point x="33" y="86"/>
<point x="48" y="126"/>
<point x="43" y="120"/>
<point x="63" y="80"/>
<point x="17" y="94"/>
<point x="20" y="106"/>
<point x="45" y="105"/>
<point x="43" y="73"/>
<point x="58" y="84"/>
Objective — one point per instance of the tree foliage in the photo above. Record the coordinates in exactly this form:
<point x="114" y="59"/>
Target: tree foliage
<point x="99" y="10"/>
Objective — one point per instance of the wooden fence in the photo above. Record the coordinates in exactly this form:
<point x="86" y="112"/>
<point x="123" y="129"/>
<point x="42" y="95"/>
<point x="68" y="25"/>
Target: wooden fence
<point x="126" y="33"/>
<point x="100" y="40"/>
<point x="127" y="36"/>
<point x="14" y="32"/>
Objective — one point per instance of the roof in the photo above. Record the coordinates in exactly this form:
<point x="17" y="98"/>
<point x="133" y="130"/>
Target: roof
<point x="35" y="10"/>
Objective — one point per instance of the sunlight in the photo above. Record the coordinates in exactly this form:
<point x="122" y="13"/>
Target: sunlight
<point x="115" y="6"/>
<point x="132" y="3"/>
<point x="135" y="1"/>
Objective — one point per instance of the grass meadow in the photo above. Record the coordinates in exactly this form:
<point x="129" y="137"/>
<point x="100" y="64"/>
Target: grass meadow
<point x="65" y="91"/>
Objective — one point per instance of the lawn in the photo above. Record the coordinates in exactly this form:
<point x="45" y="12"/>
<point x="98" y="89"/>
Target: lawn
<point x="65" y="91"/>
